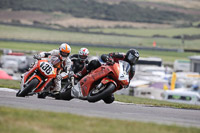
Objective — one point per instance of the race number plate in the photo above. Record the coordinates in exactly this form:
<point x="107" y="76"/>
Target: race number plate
<point x="46" y="68"/>
<point x="124" y="69"/>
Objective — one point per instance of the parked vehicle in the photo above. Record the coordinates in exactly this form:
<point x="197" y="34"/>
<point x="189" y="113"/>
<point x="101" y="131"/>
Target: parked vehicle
<point x="38" y="79"/>
<point x="9" y="62"/>
<point x="17" y="63"/>
<point x="182" y="96"/>
<point x="99" y="83"/>
<point x="181" y="65"/>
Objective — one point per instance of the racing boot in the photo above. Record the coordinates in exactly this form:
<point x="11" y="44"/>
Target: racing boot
<point x="57" y="88"/>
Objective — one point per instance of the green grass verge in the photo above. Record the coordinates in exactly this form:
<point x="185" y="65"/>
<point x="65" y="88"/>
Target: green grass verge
<point x="122" y="98"/>
<point x="47" y="47"/>
<point x="35" y="121"/>
<point x="170" y="32"/>
<point x="152" y="102"/>
<point x="166" y="56"/>
<point x="17" y="32"/>
<point x="14" y="84"/>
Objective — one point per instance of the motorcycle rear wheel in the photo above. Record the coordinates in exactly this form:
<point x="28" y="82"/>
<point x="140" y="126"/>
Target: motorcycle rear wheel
<point x="29" y="87"/>
<point x="66" y="95"/>
<point x="42" y="95"/>
<point x="103" y="93"/>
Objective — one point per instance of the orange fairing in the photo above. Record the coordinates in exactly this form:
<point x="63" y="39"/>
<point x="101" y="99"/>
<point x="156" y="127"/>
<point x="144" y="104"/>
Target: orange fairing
<point x="49" y="76"/>
<point x="38" y="77"/>
<point x="117" y="73"/>
<point x="27" y="74"/>
<point x="115" y="69"/>
<point x="97" y="74"/>
<point x="46" y="69"/>
<point x="125" y="82"/>
<point x="107" y="80"/>
<point x="38" y="89"/>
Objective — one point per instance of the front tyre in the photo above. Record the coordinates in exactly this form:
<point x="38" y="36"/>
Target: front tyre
<point x="29" y="87"/>
<point x="105" y="91"/>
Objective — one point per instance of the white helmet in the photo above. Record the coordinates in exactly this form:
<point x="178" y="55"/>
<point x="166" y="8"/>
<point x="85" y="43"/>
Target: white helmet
<point x="65" y="50"/>
<point x="83" y="53"/>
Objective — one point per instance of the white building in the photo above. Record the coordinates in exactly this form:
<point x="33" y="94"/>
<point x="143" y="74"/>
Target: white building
<point x="195" y="64"/>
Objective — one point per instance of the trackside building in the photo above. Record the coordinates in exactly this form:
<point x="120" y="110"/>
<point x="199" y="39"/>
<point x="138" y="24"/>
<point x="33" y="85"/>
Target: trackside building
<point x="195" y="64"/>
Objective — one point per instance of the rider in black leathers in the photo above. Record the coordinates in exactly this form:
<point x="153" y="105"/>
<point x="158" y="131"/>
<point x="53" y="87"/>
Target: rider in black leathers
<point x="79" y="61"/>
<point x="131" y="57"/>
<point x="78" y="64"/>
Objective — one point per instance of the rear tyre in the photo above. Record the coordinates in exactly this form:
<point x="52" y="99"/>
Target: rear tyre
<point x="66" y="95"/>
<point x="57" y="96"/>
<point x="103" y="93"/>
<point x="29" y="87"/>
<point x="42" y="95"/>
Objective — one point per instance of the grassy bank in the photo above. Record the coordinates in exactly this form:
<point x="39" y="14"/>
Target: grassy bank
<point x="166" y="56"/>
<point x="122" y="98"/>
<point x="170" y="32"/>
<point x="17" y="32"/>
<point x="14" y="84"/>
<point x="152" y="102"/>
<point x="21" y="121"/>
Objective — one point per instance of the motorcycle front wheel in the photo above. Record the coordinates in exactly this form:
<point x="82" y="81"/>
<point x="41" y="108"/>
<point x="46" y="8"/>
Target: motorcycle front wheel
<point x="101" y="93"/>
<point x="29" y="87"/>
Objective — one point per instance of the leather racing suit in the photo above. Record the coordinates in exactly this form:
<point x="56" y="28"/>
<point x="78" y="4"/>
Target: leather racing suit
<point x="77" y="64"/>
<point x="63" y="73"/>
<point x="116" y="57"/>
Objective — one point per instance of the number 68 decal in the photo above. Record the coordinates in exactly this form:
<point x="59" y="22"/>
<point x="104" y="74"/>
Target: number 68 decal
<point x="46" y="68"/>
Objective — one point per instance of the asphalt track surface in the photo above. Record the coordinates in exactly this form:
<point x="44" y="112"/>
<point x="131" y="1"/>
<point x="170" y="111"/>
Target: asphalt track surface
<point x="116" y="110"/>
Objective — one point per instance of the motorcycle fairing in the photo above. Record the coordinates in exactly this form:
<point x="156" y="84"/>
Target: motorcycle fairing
<point x="47" y="69"/>
<point x="107" y="80"/>
<point x="76" y="91"/>
<point x="41" y="86"/>
<point x="124" y="68"/>
<point x="28" y="76"/>
<point x="88" y="81"/>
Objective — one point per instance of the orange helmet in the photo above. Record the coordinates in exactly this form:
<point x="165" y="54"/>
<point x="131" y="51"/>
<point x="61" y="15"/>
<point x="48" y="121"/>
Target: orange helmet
<point x="65" y="50"/>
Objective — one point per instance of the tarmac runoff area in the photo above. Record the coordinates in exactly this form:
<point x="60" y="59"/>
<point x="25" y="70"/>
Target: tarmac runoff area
<point x="116" y="110"/>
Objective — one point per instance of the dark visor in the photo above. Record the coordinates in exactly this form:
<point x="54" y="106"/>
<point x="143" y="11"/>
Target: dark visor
<point x="64" y="54"/>
<point x="83" y="56"/>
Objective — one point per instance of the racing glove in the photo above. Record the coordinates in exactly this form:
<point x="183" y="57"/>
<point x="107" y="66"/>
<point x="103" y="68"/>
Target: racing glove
<point x="109" y="61"/>
<point x="78" y="75"/>
<point x="37" y="56"/>
<point x="70" y="74"/>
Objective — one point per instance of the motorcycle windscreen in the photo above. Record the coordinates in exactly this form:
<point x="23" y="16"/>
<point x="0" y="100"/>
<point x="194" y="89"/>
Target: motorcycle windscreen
<point x="124" y="69"/>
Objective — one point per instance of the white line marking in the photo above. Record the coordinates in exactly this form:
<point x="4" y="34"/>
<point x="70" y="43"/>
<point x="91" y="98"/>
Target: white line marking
<point x="8" y="90"/>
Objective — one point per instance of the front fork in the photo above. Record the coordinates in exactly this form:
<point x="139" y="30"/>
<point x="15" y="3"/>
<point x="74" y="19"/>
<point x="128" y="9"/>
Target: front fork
<point x="101" y="86"/>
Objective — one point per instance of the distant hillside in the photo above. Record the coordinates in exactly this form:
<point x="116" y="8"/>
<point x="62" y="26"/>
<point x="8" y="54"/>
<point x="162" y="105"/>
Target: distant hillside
<point x="122" y="11"/>
<point x="190" y="4"/>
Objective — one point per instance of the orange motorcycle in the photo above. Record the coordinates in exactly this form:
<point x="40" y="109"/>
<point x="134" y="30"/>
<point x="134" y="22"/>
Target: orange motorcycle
<point x="99" y="83"/>
<point x="37" y="79"/>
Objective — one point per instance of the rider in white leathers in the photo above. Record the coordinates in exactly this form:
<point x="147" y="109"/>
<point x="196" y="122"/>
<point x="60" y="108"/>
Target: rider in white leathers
<point x="63" y="54"/>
